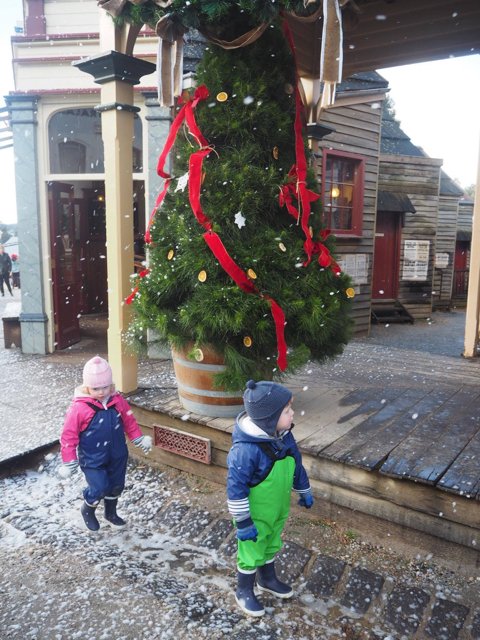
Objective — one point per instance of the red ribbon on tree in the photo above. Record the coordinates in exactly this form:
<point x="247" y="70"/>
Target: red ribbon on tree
<point x="131" y="297"/>
<point x="243" y="281"/>
<point x="297" y="185"/>
<point x="158" y="202"/>
<point x="211" y="238"/>
<point x="185" y="113"/>
<point x="195" y="166"/>
<point x="218" y="249"/>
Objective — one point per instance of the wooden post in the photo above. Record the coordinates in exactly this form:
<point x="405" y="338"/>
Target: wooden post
<point x="117" y="73"/>
<point x="117" y="133"/>
<point x="473" y="298"/>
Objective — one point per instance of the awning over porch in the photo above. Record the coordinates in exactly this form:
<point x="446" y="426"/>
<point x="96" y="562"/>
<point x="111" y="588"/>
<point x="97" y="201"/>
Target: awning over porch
<point x="464" y="235"/>
<point x="394" y="202"/>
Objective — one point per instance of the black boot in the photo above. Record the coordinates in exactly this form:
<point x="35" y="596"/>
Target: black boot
<point x="268" y="581"/>
<point x="245" y="597"/>
<point x="111" y="512"/>
<point x="89" y="517"/>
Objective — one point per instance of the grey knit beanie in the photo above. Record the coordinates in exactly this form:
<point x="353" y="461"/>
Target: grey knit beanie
<point x="264" y="402"/>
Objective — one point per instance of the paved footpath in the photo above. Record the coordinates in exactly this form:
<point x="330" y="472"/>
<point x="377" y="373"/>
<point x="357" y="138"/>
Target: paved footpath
<point x="170" y="572"/>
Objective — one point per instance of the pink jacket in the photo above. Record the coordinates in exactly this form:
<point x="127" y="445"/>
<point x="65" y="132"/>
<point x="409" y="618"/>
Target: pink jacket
<point x="79" y="416"/>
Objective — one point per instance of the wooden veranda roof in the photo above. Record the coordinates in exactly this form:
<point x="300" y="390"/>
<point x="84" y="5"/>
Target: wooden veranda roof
<point x="388" y="33"/>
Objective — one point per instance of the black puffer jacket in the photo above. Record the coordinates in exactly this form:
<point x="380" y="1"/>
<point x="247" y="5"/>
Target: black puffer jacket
<point x="5" y="263"/>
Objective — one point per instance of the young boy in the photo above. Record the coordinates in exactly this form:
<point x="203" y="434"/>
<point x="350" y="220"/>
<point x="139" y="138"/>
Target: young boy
<point x="93" y="438"/>
<point x="264" y="464"/>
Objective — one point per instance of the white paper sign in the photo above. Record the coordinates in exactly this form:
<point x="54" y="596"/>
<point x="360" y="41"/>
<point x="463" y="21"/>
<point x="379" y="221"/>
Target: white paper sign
<point x="355" y="265"/>
<point x="442" y="260"/>
<point x="415" y="259"/>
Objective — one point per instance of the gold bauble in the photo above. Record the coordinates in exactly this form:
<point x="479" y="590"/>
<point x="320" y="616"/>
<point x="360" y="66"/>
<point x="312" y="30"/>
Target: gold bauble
<point x="350" y="292"/>
<point x="275" y="153"/>
<point x="251" y="274"/>
<point x="247" y="341"/>
<point x="198" y="354"/>
<point x="222" y="96"/>
<point x="202" y="276"/>
<point x="170" y="254"/>
<point x="282" y="247"/>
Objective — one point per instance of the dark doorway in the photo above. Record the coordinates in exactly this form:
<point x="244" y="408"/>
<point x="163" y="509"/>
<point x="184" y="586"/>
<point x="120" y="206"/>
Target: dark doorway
<point x="79" y="253"/>
<point x="65" y="214"/>
<point x="93" y="238"/>
<point x="462" y="260"/>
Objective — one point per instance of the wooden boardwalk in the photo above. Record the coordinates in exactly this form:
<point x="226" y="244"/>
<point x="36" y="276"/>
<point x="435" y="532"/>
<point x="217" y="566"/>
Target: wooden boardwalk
<point x="428" y="436"/>
<point x="403" y="447"/>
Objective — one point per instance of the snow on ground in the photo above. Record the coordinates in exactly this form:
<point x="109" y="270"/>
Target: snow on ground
<point x="160" y="578"/>
<point x="37" y="390"/>
<point x="35" y="396"/>
<point x="128" y="583"/>
<point x="148" y="581"/>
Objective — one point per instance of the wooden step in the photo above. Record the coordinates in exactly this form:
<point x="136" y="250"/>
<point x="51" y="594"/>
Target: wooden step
<point x="389" y="311"/>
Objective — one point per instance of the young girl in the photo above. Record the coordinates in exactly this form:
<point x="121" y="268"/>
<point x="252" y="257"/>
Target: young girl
<point x="93" y="438"/>
<point x="264" y="464"/>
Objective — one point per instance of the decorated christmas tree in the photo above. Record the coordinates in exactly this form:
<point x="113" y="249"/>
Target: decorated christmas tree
<point x="237" y="255"/>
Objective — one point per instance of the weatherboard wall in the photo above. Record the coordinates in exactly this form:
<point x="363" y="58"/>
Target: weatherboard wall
<point x="419" y="179"/>
<point x="357" y="130"/>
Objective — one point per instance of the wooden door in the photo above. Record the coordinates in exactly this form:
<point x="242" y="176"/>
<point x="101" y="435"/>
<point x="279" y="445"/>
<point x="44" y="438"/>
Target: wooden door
<point x="64" y="249"/>
<point x="460" y="280"/>
<point x="386" y="257"/>
<point x="94" y="250"/>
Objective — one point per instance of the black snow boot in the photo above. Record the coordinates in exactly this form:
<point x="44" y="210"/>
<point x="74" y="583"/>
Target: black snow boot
<point x="268" y="581"/>
<point x="111" y="512"/>
<point x="245" y="597"/>
<point x="89" y="517"/>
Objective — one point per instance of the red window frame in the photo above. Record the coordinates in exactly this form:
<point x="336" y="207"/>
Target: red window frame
<point x="343" y="177"/>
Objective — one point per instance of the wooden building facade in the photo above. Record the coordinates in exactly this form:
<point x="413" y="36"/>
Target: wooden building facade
<point x="398" y="239"/>
<point x="463" y="247"/>
<point x="448" y="211"/>
<point x="348" y="165"/>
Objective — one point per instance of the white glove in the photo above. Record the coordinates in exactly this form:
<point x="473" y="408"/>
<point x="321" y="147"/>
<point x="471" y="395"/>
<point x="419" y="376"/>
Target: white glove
<point x="144" y="443"/>
<point x="68" y="469"/>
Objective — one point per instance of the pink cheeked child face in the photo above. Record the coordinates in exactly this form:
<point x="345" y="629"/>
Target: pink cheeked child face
<point x="100" y="393"/>
<point x="285" y="421"/>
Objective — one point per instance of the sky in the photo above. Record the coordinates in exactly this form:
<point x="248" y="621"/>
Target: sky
<point x="437" y="104"/>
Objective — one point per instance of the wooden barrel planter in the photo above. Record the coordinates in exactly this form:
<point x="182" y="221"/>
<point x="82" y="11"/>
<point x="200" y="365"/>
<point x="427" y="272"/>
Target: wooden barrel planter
<point x="196" y="390"/>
